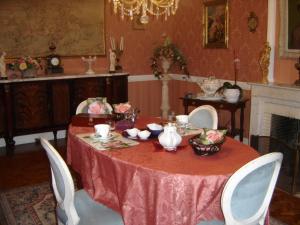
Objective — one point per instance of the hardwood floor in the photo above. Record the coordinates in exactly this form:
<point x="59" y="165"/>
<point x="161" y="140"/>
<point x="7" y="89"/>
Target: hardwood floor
<point x="30" y="166"/>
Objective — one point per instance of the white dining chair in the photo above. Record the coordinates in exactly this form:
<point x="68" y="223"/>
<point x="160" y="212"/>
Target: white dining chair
<point x="204" y="116"/>
<point x="247" y="194"/>
<point x="84" y="105"/>
<point x="75" y="208"/>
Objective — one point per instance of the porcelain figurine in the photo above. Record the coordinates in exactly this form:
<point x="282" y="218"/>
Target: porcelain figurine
<point x="3" y="65"/>
<point x="169" y="138"/>
<point x="112" y="61"/>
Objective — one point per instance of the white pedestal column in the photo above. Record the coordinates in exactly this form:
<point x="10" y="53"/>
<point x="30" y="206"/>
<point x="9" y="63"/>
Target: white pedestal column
<point x="271" y="33"/>
<point x="165" y="106"/>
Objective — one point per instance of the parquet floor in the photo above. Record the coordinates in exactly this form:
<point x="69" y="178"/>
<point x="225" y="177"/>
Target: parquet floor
<point x="31" y="166"/>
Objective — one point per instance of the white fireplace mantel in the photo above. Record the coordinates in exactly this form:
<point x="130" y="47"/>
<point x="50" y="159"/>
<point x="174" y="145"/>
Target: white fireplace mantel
<point x="268" y="99"/>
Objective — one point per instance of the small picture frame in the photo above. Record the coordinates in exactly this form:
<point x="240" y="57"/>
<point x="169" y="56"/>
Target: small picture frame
<point x="136" y="24"/>
<point x="215" y="24"/>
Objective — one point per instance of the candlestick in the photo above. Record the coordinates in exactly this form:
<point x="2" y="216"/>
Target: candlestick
<point x="89" y="62"/>
<point x="112" y="43"/>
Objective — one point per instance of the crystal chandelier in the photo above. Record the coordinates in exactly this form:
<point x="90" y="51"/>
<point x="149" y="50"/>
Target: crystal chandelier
<point x="142" y="7"/>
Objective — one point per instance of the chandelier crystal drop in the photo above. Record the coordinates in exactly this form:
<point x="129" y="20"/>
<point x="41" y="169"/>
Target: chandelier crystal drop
<point x="144" y="7"/>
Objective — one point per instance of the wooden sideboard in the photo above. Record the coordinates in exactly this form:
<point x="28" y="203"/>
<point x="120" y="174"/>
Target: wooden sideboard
<point x="43" y="104"/>
<point x="221" y="105"/>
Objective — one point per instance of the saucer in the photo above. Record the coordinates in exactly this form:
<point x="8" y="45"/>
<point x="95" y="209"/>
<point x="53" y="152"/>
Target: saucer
<point x="99" y="138"/>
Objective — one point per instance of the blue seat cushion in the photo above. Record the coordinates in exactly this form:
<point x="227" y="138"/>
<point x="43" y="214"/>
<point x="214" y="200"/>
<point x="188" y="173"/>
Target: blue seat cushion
<point x="91" y="212"/>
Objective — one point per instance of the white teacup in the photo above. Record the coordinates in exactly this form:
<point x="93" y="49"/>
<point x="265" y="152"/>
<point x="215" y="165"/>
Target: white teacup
<point x="182" y="119"/>
<point x="144" y="134"/>
<point x="102" y="130"/>
<point x="132" y="132"/>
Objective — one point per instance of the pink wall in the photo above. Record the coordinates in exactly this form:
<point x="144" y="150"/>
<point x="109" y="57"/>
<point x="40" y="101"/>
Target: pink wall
<point x="185" y="28"/>
<point x="139" y="44"/>
<point x="188" y="34"/>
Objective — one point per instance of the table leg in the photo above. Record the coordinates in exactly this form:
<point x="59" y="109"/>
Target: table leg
<point x="242" y="125"/>
<point x="185" y="105"/>
<point x="233" y="132"/>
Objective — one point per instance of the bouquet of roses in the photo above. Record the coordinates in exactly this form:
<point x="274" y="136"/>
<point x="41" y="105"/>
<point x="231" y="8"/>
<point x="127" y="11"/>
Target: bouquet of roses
<point x="122" y="107"/>
<point x="208" y="137"/>
<point x="25" y="63"/>
<point x="98" y="106"/>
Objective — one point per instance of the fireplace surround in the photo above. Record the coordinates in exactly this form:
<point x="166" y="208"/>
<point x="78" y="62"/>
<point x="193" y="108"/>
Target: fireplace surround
<point x="275" y="111"/>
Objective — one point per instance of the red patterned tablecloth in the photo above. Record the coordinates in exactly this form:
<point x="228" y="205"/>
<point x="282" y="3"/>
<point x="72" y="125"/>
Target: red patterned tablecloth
<point x="148" y="185"/>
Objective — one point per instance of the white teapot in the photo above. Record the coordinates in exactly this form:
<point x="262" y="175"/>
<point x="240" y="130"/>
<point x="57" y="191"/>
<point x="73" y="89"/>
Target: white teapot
<point x="209" y="85"/>
<point x="169" y="138"/>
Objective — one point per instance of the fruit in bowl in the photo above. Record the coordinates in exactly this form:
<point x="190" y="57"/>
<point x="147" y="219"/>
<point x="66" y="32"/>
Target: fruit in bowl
<point x="208" y="142"/>
<point x="155" y="129"/>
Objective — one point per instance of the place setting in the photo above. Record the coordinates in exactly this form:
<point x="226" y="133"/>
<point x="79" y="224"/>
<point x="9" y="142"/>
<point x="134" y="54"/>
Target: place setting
<point x="105" y="138"/>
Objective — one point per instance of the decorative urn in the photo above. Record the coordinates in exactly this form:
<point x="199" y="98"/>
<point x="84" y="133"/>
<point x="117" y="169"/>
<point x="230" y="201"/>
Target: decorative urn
<point x="209" y="85"/>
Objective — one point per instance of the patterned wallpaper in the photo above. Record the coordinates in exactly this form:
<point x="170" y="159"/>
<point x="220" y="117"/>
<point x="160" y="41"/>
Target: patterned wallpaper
<point x="219" y="62"/>
<point x="185" y="29"/>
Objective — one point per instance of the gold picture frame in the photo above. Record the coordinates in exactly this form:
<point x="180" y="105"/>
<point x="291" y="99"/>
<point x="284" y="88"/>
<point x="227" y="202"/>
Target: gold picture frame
<point x="32" y="26"/>
<point x="289" y="28"/>
<point x="215" y="24"/>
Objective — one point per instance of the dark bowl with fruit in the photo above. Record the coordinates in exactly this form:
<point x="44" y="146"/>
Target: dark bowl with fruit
<point x="208" y="143"/>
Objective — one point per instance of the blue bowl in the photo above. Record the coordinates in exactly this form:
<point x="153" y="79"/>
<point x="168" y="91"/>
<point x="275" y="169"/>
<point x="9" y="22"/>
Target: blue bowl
<point x="155" y="133"/>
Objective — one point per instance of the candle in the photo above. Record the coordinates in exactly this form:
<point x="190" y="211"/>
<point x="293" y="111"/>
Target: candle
<point x="235" y="55"/>
<point x="112" y="43"/>
<point x="122" y="44"/>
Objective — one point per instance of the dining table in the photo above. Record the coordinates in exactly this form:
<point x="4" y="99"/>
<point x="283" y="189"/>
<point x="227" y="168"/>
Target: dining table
<point x="148" y="185"/>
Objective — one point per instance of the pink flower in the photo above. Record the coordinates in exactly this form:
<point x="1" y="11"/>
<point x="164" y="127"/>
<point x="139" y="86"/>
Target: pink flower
<point x="122" y="107"/>
<point x="96" y="108"/>
<point x="214" y="136"/>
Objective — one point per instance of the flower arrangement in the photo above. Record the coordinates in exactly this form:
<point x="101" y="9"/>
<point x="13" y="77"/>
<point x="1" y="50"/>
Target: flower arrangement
<point x="25" y="63"/>
<point x="98" y="106"/>
<point x="170" y="52"/>
<point x="208" y="142"/>
<point x="122" y="107"/>
<point x="211" y="136"/>
<point x="228" y="85"/>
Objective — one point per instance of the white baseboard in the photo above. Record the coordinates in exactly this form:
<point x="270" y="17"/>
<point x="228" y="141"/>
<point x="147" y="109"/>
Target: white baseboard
<point x="25" y="139"/>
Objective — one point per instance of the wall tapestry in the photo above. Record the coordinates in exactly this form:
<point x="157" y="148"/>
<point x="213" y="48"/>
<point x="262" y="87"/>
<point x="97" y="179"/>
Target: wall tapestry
<point x="28" y="27"/>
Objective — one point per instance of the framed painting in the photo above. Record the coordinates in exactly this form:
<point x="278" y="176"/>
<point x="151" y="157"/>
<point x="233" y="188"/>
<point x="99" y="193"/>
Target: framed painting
<point x="29" y="27"/>
<point x="215" y="24"/>
<point x="289" y="41"/>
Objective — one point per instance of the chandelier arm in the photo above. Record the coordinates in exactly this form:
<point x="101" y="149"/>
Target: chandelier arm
<point x="154" y="7"/>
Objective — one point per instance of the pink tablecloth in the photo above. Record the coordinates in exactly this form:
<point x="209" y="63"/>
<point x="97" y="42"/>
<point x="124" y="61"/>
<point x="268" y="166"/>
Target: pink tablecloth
<point x="148" y="185"/>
